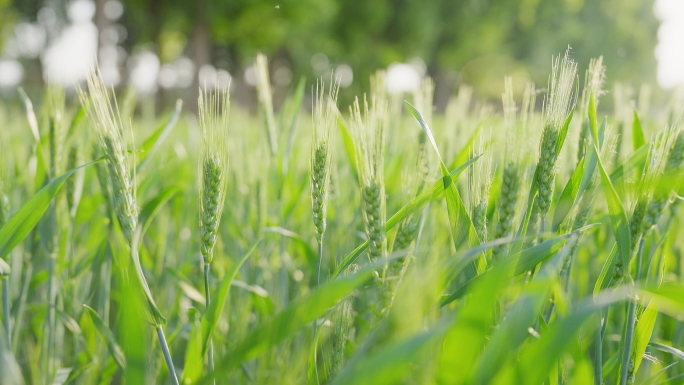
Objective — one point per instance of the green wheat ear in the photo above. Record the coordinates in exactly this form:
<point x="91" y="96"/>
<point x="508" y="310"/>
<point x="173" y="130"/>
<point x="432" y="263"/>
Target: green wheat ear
<point x="369" y="130"/>
<point x="319" y="182"/>
<point x="213" y="110"/>
<point x="508" y="201"/>
<point x="594" y="78"/>
<point x="373" y="209"/>
<point x="369" y="127"/>
<point x="547" y="169"/>
<point x="324" y="120"/>
<point x="513" y="175"/>
<point x="557" y="104"/>
<point x="672" y="168"/>
<point x="106" y="123"/>
<point x="211" y="198"/>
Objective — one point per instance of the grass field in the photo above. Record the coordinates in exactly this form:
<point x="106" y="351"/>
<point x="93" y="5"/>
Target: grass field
<point x="326" y="244"/>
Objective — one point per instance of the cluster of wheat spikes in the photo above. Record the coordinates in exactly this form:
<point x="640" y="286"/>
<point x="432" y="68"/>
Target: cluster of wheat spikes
<point x="571" y="217"/>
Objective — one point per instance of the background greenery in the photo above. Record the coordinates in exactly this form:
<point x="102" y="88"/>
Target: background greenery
<point x="473" y="42"/>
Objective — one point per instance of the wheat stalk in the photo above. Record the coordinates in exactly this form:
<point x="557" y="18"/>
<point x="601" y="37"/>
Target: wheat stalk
<point x="213" y="162"/>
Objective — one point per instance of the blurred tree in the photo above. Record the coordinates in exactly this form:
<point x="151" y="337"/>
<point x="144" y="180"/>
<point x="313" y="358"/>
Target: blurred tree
<point x="473" y="41"/>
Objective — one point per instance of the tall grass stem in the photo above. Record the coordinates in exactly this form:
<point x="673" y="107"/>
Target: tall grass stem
<point x="6" y="309"/>
<point x="318" y="283"/>
<point x="629" y="327"/>
<point x="318" y="265"/>
<point x="598" y="353"/>
<point x="51" y="317"/>
<point x="167" y="355"/>
<point x="626" y="348"/>
<point x="207" y="297"/>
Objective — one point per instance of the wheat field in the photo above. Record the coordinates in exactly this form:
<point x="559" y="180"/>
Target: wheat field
<point x="530" y="240"/>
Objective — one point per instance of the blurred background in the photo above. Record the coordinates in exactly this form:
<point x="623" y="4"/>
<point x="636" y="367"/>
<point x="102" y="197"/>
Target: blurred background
<point x="166" y="48"/>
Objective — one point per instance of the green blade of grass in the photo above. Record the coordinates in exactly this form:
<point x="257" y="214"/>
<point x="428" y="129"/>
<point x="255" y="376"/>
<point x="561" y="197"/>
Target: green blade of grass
<point x="464" y="341"/>
<point x="300" y="312"/>
<point x="348" y="143"/>
<point x="518" y="323"/>
<point x="297" y="195"/>
<point x="152" y="207"/>
<point x="575" y="188"/>
<point x="543" y="353"/>
<point x="304" y="246"/>
<point x="198" y="342"/>
<point x="215" y="309"/>
<point x="154" y="315"/>
<point x="42" y="168"/>
<point x="518" y="263"/>
<point x="635" y="161"/>
<point x="668" y="349"/>
<point x="462" y="229"/>
<point x="107" y="335"/>
<point x="24" y="220"/>
<point x="568" y="196"/>
<point x="69" y="322"/>
<point x="638" y="138"/>
<point x="564" y="132"/>
<point x="466" y="152"/>
<point x="154" y="141"/>
<point x="393" y="362"/>
<point x="642" y="333"/>
<point x="605" y="276"/>
<point x="618" y="218"/>
<point x="77" y="120"/>
<point x="132" y="319"/>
